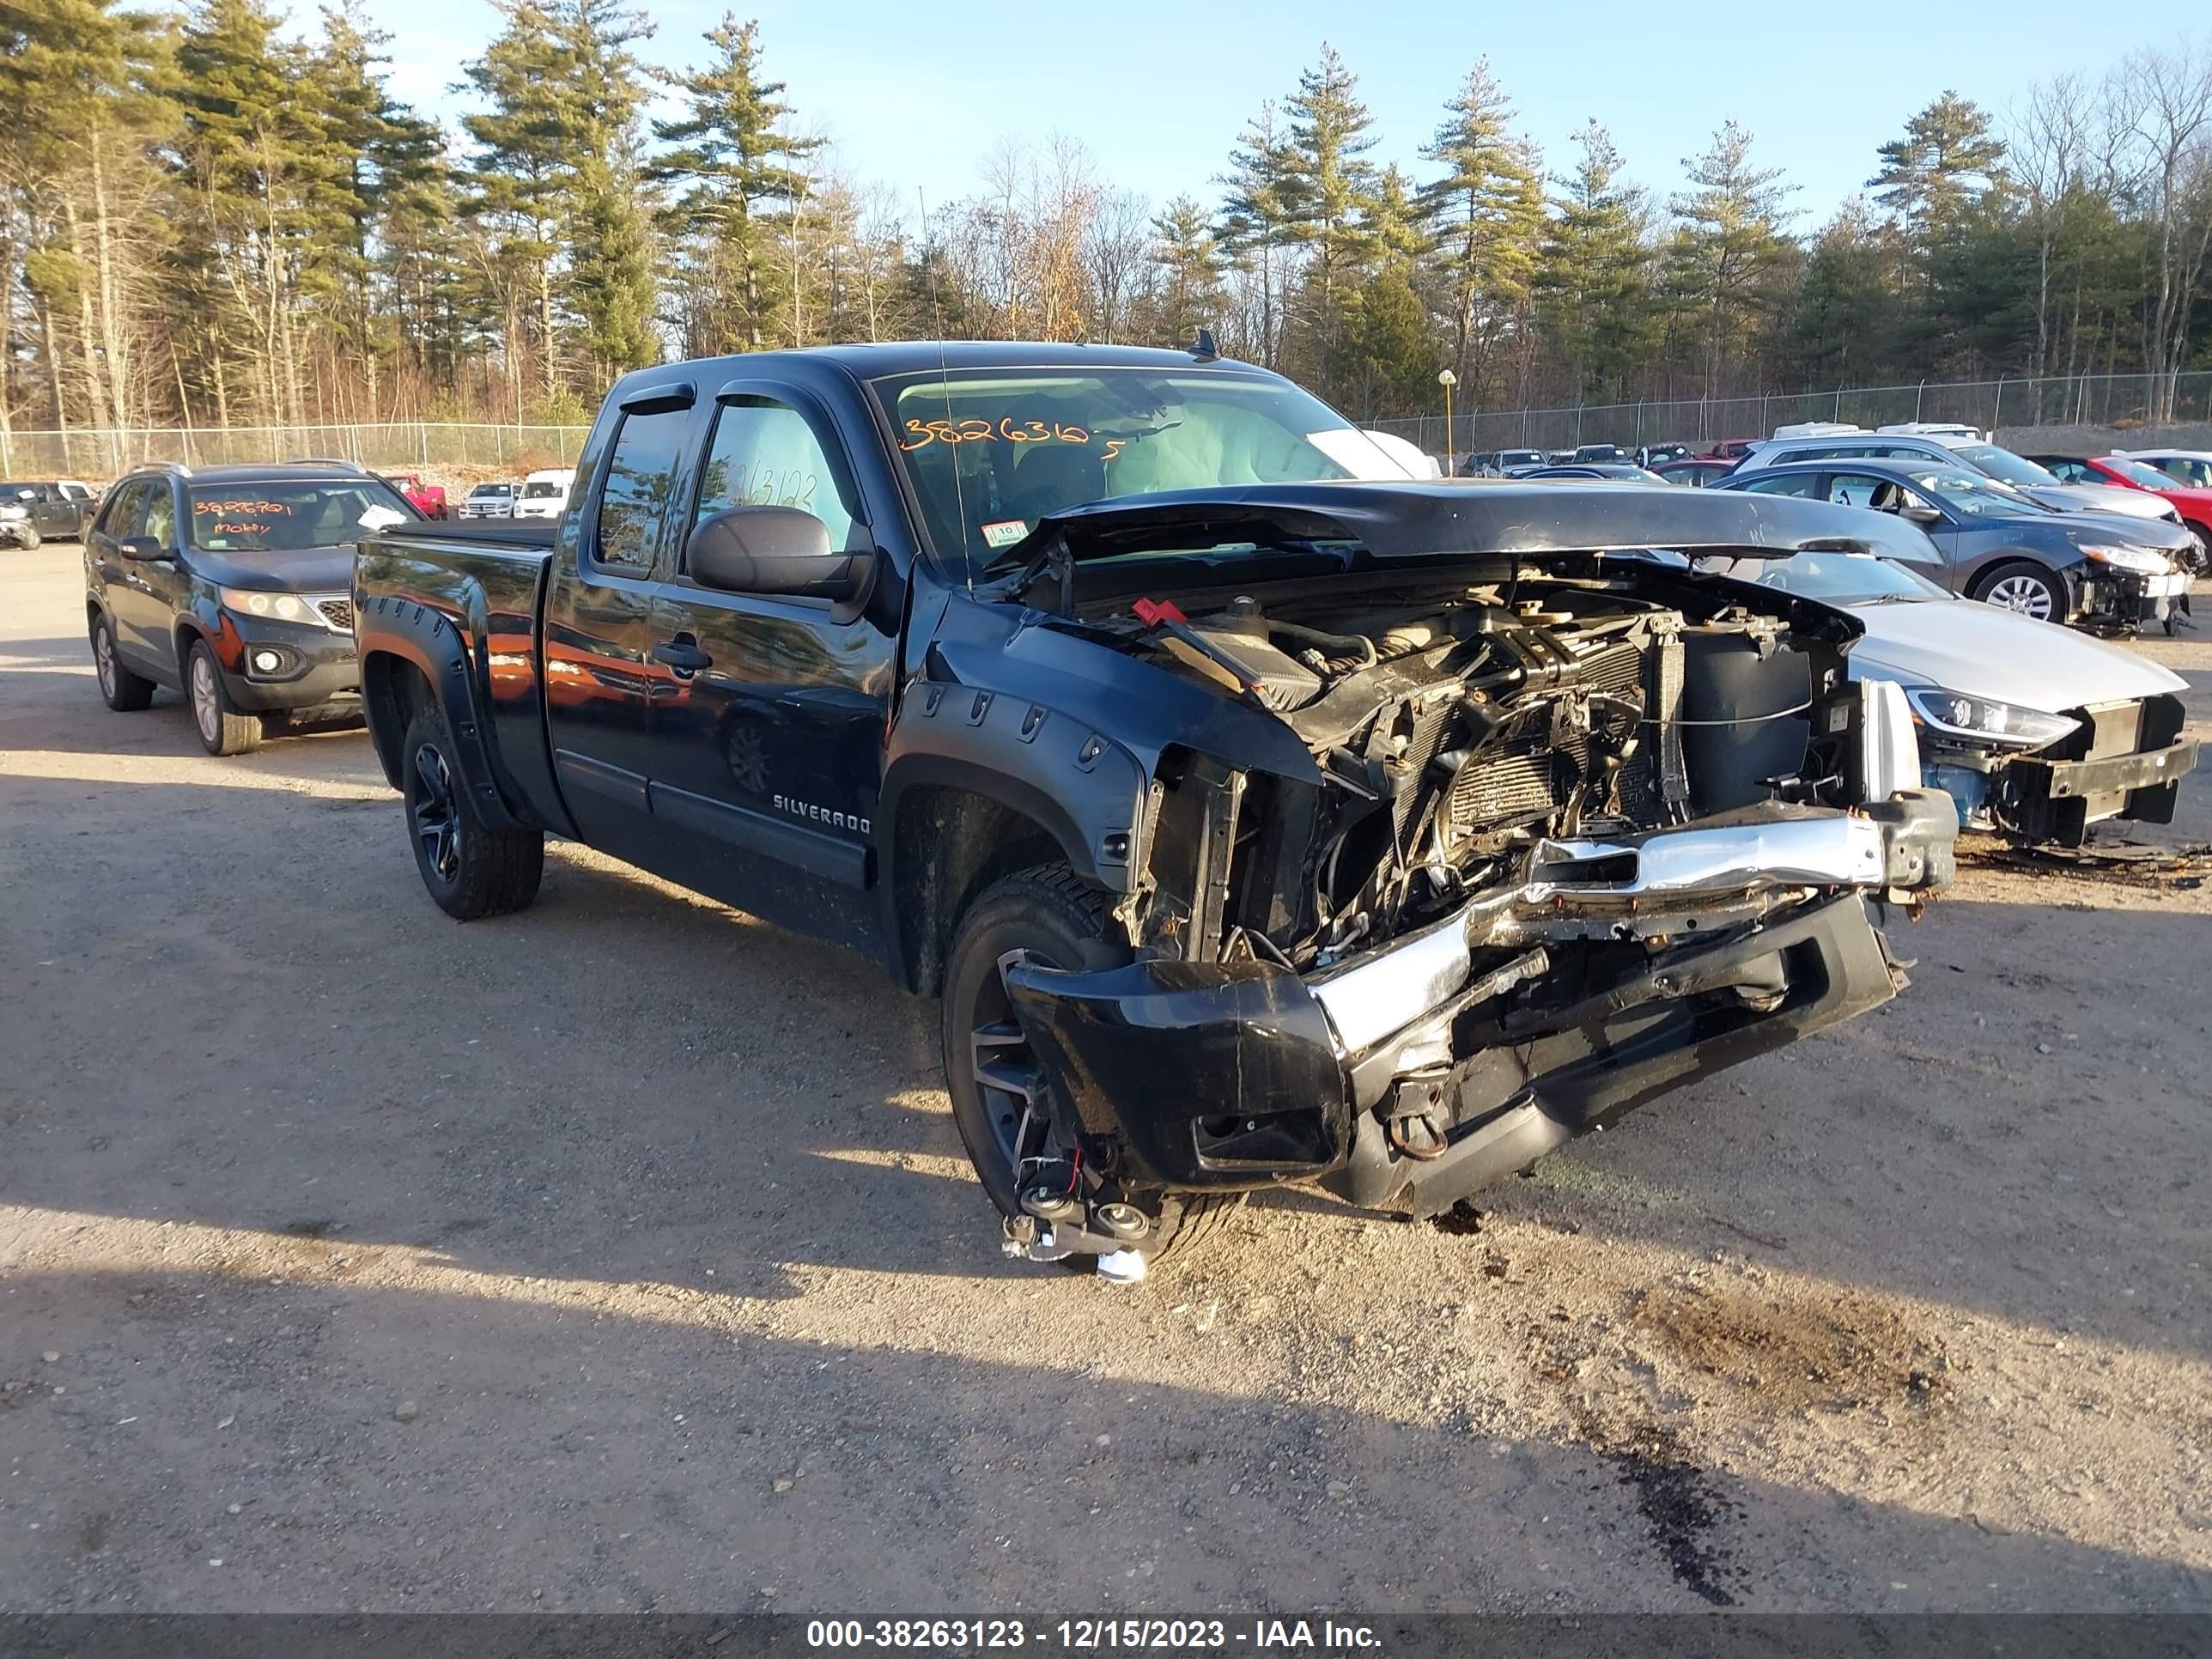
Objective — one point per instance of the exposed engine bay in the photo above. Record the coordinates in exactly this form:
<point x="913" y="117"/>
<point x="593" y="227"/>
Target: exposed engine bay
<point x="1456" y="732"/>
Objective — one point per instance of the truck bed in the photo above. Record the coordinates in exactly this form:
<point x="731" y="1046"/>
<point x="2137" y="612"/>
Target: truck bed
<point x="464" y="602"/>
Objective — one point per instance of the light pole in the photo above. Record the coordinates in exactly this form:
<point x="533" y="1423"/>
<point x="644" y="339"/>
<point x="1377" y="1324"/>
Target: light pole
<point x="1446" y="380"/>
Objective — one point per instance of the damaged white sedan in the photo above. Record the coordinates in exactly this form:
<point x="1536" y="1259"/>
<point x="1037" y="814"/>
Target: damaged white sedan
<point x="2036" y="730"/>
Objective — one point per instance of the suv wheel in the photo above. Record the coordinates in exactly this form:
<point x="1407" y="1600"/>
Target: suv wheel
<point x="1045" y="915"/>
<point x="2027" y="588"/>
<point x="224" y="728"/>
<point x="471" y="870"/>
<point x="121" y="689"/>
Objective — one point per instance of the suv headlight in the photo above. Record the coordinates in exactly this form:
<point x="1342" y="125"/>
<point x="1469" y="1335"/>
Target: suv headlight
<point x="1985" y="720"/>
<point x="2146" y="561"/>
<point x="277" y="607"/>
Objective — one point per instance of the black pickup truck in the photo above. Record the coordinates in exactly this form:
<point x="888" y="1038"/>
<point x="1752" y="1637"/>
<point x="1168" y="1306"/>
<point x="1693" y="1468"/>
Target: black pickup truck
<point x="1260" y="815"/>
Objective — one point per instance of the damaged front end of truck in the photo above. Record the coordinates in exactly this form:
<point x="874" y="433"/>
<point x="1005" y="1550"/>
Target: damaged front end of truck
<point x="1511" y="832"/>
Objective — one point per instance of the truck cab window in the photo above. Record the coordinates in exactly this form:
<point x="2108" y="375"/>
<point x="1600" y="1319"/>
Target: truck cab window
<point x="766" y="453"/>
<point x="648" y="454"/>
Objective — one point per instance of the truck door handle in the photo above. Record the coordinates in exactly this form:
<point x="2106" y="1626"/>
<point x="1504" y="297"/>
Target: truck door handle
<point x="682" y="655"/>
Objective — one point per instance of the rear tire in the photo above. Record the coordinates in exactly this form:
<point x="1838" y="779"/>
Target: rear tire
<point x="470" y="870"/>
<point x="124" y="692"/>
<point x="224" y="728"/>
<point x="1048" y="914"/>
<point x="2027" y="588"/>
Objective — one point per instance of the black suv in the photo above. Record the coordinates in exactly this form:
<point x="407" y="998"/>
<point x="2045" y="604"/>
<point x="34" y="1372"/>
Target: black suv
<point x="231" y="585"/>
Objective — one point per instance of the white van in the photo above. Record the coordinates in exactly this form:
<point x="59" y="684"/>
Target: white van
<point x="545" y="495"/>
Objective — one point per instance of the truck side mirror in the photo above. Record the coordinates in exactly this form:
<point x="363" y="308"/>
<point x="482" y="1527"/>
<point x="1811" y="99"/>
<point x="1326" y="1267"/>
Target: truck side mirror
<point x="773" y="550"/>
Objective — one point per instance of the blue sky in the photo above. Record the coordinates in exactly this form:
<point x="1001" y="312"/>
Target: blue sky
<point x="913" y="95"/>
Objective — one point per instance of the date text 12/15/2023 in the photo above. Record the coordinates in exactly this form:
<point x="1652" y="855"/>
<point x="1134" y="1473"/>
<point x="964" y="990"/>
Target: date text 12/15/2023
<point x="1091" y="1635"/>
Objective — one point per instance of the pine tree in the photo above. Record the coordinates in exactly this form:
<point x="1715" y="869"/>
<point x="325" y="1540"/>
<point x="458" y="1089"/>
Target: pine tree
<point x="1946" y="159"/>
<point x="83" y="79"/>
<point x="608" y="226"/>
<point x="1728" y="250"/>
<point x="264" y="178"/>
<point x="1190" y="266"/>
<point x="1844" y="322"/>
<point x="1486" y="219"/>
<point x="731" y="155"/>
<point x="1256" y="219"/>
<point x="1594" y="280"/>
<point x="1329" y="187"/>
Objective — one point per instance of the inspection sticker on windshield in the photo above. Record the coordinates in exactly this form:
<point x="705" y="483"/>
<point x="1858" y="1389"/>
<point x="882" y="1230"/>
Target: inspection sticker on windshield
<point x="1005" y="534"/>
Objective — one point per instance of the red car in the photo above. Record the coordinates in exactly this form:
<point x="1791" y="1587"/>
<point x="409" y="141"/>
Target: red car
<point x="429" y="499"/>
<point x="1727" y="449"/>
<point x="2194" y="505"/>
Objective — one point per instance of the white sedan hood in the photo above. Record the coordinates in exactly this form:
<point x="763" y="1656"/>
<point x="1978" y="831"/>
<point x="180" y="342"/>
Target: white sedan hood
<point x="1985" y="651"/>
<point x="2100" y="498"/>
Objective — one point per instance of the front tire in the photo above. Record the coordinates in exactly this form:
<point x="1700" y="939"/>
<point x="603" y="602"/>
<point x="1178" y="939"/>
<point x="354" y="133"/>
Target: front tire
<point x="1045" y="915"/>
<point x="124" y="692"/>
<point x="224" y="728"/>
<point x="471" y="870"/>
<point x="31" y="539"/>
<point x="2028" y="589"/>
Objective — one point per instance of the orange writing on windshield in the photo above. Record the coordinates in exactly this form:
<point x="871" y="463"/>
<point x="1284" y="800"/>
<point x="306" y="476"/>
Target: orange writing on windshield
<point x="201" y="509"/>
<point x="1006" y="430"/>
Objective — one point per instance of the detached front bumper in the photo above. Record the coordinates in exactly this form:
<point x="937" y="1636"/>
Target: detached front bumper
<point x="2125" y="598"/>
<point x="2125" y="760"/>
<point x="1618" y="970"/>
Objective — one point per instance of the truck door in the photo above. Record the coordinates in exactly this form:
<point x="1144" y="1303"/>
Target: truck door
<point x="598" y="643"/>
<point x="768" y="714"/>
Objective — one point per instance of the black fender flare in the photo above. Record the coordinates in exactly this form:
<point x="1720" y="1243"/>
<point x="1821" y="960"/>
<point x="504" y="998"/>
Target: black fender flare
<point x="433" y="643"/>
<point x="1087" y="791"/>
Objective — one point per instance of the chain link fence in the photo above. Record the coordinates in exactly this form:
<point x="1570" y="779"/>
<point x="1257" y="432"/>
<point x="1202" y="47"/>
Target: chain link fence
<point x="2115" y="403"/>
<point x="387" y="446"/>
<point x="2119" y="403"/>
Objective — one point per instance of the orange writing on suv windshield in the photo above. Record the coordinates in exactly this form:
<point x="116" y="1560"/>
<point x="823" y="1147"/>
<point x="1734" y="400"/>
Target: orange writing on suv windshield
<point x="216" y="508"/>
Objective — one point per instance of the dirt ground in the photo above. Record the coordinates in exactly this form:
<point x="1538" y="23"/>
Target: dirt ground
<point x="620" y="1256"/>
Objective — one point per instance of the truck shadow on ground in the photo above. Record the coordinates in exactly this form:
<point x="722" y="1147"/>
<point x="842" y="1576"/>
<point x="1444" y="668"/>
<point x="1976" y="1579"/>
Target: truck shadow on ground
<point x="267" y="1027"/>
<point x="347" y="1446"/>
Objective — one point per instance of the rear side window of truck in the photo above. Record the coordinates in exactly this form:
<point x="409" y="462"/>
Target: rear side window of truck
<point x="640" y="487"/>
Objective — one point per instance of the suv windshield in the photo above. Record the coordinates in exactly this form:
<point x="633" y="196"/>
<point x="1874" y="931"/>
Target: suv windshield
<point x="1832" y="577"/>
<point x="2003" y="464"/>
<point x="281" y="517"/>
<point x="990" y="452"/>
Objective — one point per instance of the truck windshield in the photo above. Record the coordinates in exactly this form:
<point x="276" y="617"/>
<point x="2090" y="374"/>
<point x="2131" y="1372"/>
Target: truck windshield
<point x="279" y="517"/>
<point x="989" y="453"/>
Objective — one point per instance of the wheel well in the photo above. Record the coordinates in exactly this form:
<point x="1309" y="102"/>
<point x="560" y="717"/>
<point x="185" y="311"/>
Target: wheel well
<point x="392" y="690"/>
<point x="947" y="845"/>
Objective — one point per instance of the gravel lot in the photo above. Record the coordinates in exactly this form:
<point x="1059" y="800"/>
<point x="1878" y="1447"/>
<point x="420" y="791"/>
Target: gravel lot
<point x="620" y="1256"/>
